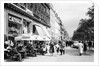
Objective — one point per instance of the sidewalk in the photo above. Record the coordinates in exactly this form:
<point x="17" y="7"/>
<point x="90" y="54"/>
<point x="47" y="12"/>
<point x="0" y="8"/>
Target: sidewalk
<point x="69" y="56"/>
<point x="73" y="51"/>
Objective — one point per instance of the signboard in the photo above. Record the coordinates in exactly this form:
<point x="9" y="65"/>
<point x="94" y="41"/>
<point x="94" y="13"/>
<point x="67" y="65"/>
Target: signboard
<point x="14" y="19"/>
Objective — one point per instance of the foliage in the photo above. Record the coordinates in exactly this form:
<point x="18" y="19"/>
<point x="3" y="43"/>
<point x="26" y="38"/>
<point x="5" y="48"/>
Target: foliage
<point x="86" y="26"/>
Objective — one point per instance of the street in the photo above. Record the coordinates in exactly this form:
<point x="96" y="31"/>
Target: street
<point x="43" y="29"/>
<point x="71" y="55"/>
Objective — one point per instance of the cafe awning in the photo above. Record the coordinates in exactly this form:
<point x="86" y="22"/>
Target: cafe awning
<point x="39" y="30"/>
<point x="29" y="37"/>
<point x="46" y="32"/>
<point x="45" y="38"/>
<point x="23" y="37"/>
<point x="43" y="35"/>
<point x="36" y="37"/>
<point x="18" y="38"/>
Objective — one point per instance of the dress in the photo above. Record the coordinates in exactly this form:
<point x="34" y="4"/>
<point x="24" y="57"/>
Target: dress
<point x="51" y="48"/>
<point x="80" y="48"/>
<point x="57" y="48"/>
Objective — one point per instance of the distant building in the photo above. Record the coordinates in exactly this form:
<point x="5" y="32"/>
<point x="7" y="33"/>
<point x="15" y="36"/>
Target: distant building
<point x="57" y="29"/>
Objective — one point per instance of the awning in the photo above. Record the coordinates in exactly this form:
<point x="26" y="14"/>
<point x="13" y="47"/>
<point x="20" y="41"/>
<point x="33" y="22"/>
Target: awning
<point x="46" y="32"/>
<point x="40" y="31"/>
<point x="18" y="38"/>
<point x="23" y="37"/>
<point x="43" y="35"/>
<point x="26" y="36"/>
<point x="36" y="37"/>
<point x="29" y="37"/>
<point x="45" y="38"/>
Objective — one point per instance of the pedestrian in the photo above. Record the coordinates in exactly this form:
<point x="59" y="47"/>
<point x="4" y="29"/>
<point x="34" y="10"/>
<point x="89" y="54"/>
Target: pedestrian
<point x="57" y="48"/>
<point x="47" y="46"/>
<point x="64" y="45"/>
<point x="85" y="47"/>
<point x="14" y="52"/>
<point x="89" y="45"/>
<point x="44" y="49"/>
<point x="51" y="48"/>
<point x="62" y="48"/>
<point x="80" y="48"/>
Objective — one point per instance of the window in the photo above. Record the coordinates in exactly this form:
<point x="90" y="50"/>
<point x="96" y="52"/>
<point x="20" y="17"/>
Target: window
<point x="26" y="26"/>
<point x="14" y="26"/>
<point x="35" y="30"/>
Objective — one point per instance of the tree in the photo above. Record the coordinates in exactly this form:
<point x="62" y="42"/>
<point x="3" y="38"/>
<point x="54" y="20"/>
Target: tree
<point x="86" y="26"/>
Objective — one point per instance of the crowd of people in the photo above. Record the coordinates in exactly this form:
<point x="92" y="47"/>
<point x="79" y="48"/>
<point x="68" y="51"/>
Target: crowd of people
<point x="17" y="50"/>
<point x="84" y="46"/>
<point x="58" y="47"/>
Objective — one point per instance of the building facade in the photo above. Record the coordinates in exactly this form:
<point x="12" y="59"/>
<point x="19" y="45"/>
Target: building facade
<point x="32" y="18"/>
<point x="26" y="18"/>
<point x="55" y="27"/>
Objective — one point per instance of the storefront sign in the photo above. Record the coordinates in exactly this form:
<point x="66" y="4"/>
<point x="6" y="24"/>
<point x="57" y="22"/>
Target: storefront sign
<point x="14" y="19"/>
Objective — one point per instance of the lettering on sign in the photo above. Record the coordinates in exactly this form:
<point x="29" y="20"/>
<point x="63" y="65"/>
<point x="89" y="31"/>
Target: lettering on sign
<point x="14" y="19"/>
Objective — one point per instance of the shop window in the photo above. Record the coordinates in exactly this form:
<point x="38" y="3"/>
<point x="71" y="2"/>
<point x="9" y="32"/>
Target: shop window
<point x="31" y="6"/>
<point x="14" y="26"/>
<point x="35" y="30"/>
<point x="26" y="28"/>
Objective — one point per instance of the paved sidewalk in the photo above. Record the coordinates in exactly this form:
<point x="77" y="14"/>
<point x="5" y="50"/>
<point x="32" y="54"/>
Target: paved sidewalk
<point x="71" y="55"/>
<point x="74" y="52"/>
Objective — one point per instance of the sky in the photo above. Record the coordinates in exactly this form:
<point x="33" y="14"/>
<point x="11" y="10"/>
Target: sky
<point x="71" y="13"/>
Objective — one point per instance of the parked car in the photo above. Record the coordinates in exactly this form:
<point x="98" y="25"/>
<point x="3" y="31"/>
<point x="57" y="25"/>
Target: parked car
<point x="75" y="45"/>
